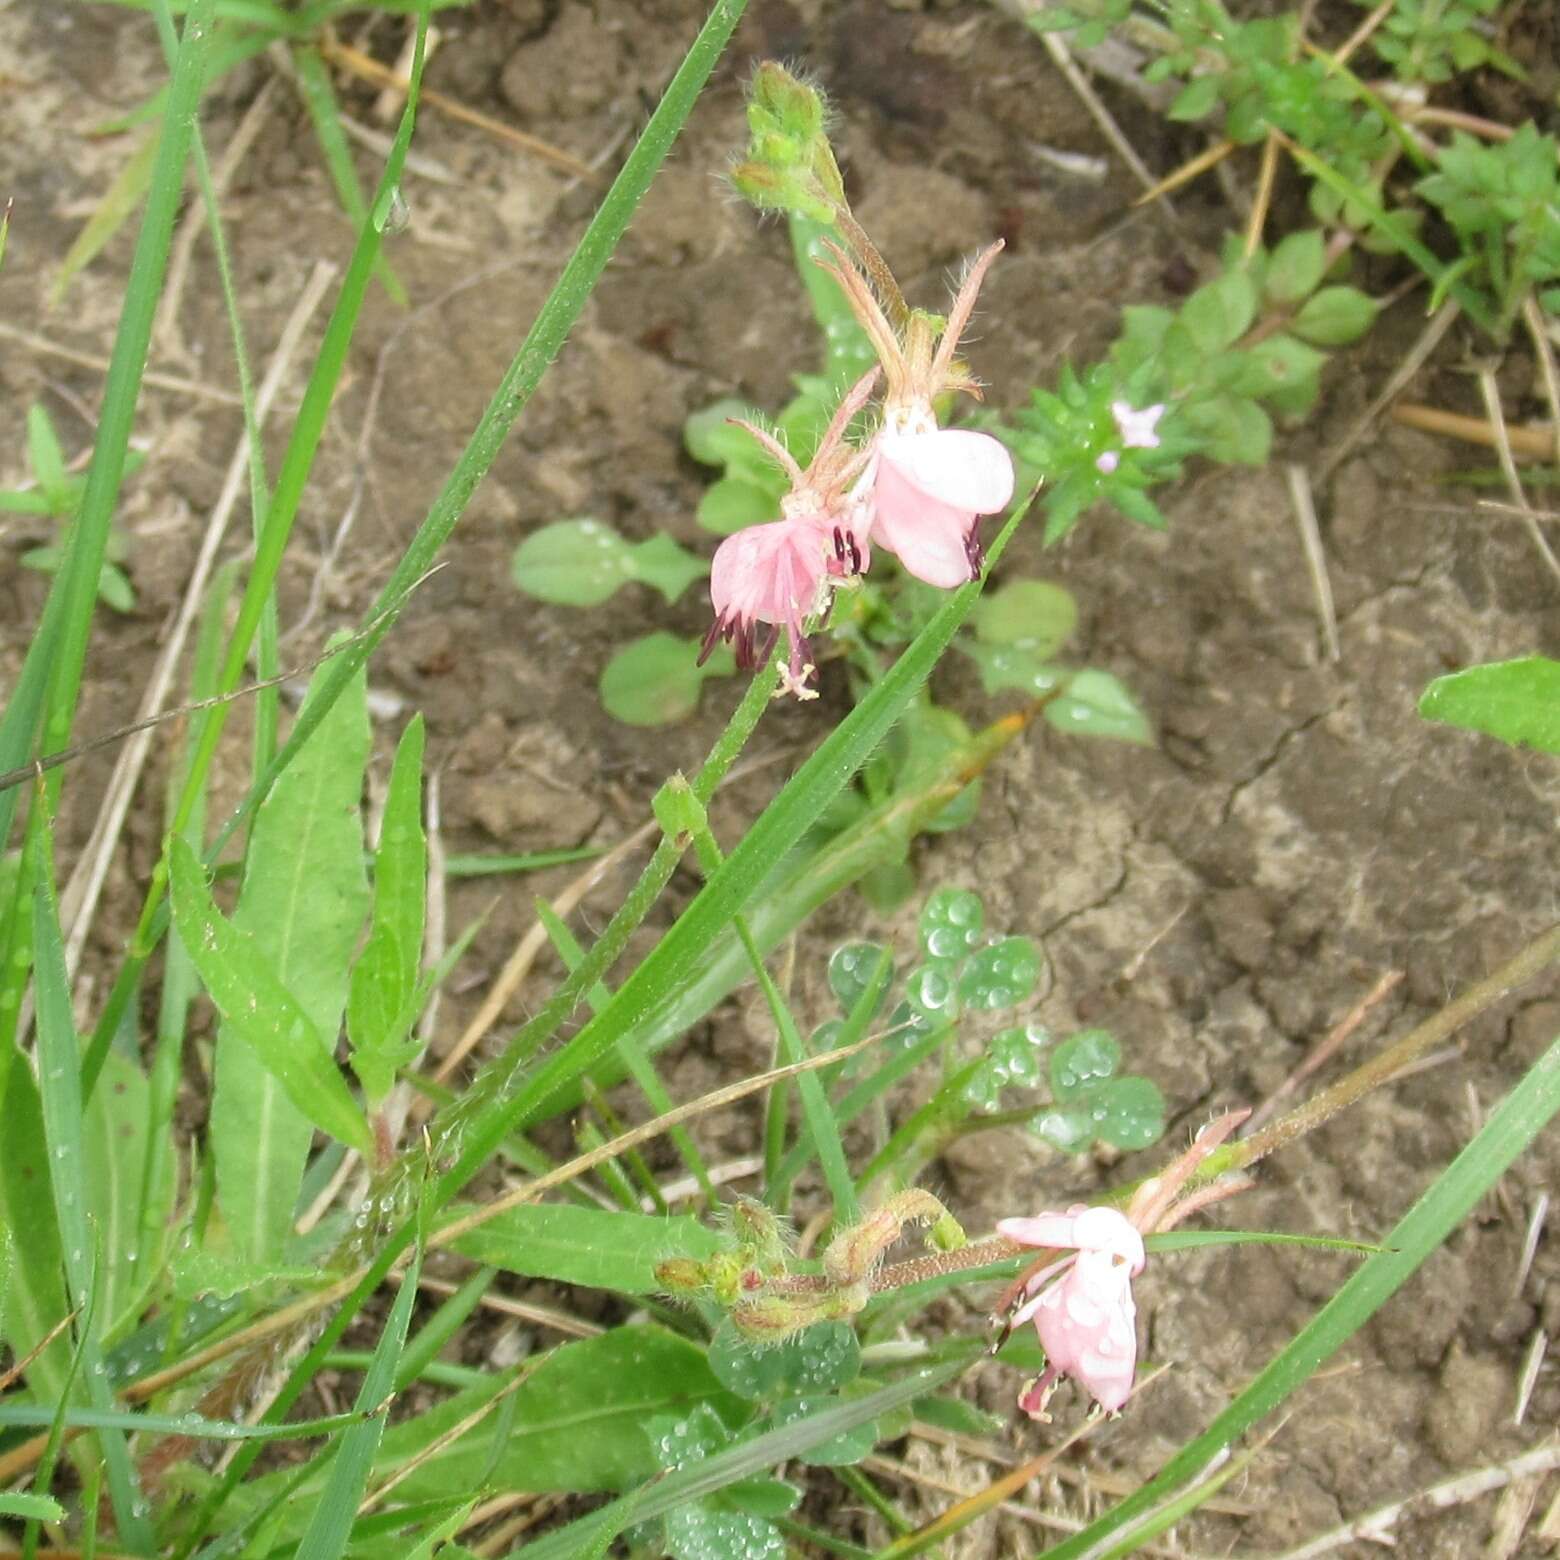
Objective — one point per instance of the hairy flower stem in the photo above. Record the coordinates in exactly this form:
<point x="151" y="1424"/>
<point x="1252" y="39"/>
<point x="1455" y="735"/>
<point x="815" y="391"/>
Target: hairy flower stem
<point x="876" y="267"/>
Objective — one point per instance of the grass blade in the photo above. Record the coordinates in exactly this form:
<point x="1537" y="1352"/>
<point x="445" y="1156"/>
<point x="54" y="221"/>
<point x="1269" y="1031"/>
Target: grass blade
<point x="326" y="1538"/>
<point x="59" y="1071"/>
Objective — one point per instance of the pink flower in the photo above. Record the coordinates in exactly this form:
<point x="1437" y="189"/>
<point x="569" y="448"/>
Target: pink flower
<point x="931" y="490"/>
<point x="927" y="486"/>
<point x="782" y="573"/>
<point x="1136" y="429"/>
<point x="1082" y="1306"/>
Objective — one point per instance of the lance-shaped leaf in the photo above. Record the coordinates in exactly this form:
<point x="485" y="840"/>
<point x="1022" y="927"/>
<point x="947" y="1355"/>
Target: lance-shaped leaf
<point x="385" y="976"/>
<point x="259" y="1009"/>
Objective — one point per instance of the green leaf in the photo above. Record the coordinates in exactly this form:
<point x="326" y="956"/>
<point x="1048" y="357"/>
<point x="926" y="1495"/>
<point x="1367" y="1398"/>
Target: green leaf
<point x="1083" y="1061"/>
<point x="1517" y="701"/>
<point x="1283" y="371"/>
<point x="951" y="923"/>
<point x="573" y="563"/>
<point x="115" y="1163"/>
<point x="581" y="563"/>
<point x="853" y="969"/>
<point x="262" y="1014"/>
<point x="35" y="1298"/>
<point x="300" y="913"/>
<point x="39" y="1508"/>
<point x="334" y="1513"/>
<point x="1196" y="99"/>
<point x="45" y="455"/>
<point x="713" y="439"/>
<point x="671" y="569"/>
<point x="734" y="503"/>
<point x="1217" y="315"/>
<point x="578" y="1424"/>
<point x="1096" y="705"/>
<point x="1031" y="615"/>
<point x="1295" y="267"/>
<point x="1005" y="667"/>
<point x="1335" y="316"/>
<point x="1229" y="428"/>
<point x="1002" y="975"/>
<point x="385" y="975"/>
<point x="656" y="679"/>
<point x="1129" y="1113"/>
<point x="701" y="1530"/>
<point x="839" y="1451"/>
<point x="820" y="1358"/>
<point x="593" y="1246"/>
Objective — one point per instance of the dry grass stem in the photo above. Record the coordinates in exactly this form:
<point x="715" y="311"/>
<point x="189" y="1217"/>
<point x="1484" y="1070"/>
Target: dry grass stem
<point x="79" y="899"/>
<point x="1325" y="1050"/>
<point x="1535" y="1229"/>
<point x="360" y="64"/>
<point x="1304" y="507"/>
<point x="537" y="1315"/>
<point x="1527" y="1377"/>
<point x="1413" y="360"/>
<point x="1508" y="467"/>
<point x="1375" y="1527"/>
<point x="1188" y="171"/>
<point x="1530" y="441"/>
<point x="1062" y="58"/>
<point x="174" y="382"/>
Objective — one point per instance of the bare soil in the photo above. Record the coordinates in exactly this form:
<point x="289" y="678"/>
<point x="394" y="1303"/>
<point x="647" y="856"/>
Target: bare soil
<point x="1219" y="902"/>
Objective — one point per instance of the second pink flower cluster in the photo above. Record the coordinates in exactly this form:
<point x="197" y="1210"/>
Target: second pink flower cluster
<point x="914" y="488"/>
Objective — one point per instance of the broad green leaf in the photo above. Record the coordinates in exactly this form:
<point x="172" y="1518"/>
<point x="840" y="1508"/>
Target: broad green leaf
<point x="1031" y="615"/>
<point x="850" y="1446"/>
<point x="260" y="1013"/>
<point x="301" y="909"/>
<point x="1295" y="267"/>
<point x="1082" y="1061"/>
<point x="577" y="1424"/>
<point x="1096" y="705"/>
<point x="38" y="1507"/>
<point x="1196" y="99"/>
<point x="1002" y="975"/>
<point x="1282" y="371"/>
<point x="574" y="563"/>
<point x="1129" y="1113"/>
<point x="1217" y="315"/>
<point x="734" y="503"/>
<point x="35" y="1299"/>
<point x="820" y="1358"/>
<point x="1011" y="666"/>
<point x="854" y="967"/>
<point x="385" y="975"/>
<point x="1517" y="701"/>
<point x="656" y="679"/>
<point x="1230" y="429"/>
<point x="713" y="439"/>
<point x="951" y="924"/>
<point x="115" y="1175"/>
<point x="1335" y="317"/>
<point x="661" y="563"/>
<point x="701" y="1530"/>
<point x="592" y="1246"/>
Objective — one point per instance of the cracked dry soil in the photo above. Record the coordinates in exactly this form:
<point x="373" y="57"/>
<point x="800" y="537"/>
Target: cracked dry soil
<point x="1219" y="902"/>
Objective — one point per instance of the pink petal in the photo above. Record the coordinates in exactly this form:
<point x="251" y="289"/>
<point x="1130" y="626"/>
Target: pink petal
<point x="1047" y="1230"/>
<point x="768" y="573"/>
<point x="958" y="467"/>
